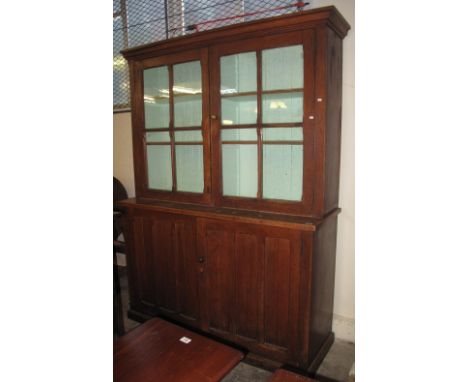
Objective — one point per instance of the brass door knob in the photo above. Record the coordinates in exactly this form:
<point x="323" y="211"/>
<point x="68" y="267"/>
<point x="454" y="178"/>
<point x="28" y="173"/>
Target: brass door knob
<point x="213" y="116"/>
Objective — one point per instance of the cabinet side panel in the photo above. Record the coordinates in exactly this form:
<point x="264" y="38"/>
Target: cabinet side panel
<point x="333" y="119"/>
<point x="249" y="281"/>
<point x="277" y="283"/>
<point x="323" y="283"/>
<point x="219" y="272"/>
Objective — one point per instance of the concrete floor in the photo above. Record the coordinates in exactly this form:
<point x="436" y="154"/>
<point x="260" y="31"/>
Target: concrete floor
<point x="334" y="368"/>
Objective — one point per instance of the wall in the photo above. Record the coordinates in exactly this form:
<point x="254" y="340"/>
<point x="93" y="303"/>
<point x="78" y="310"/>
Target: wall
<point x="123" y="151"/>
<point x="343" y="323"/>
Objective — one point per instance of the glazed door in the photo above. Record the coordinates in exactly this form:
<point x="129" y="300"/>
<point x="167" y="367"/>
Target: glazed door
<point x="171" y="127"/>
<point x="250" y="284"/>
<point x="262" y="122"/>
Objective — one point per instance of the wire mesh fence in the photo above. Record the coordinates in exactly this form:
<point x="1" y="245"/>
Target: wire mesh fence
<point x="138" y="22"/>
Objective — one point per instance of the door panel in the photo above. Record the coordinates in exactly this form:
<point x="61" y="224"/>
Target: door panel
<point x="162" y="241"/>
<point x="163" y="265"/>
<point x="251" y="284"/>
<point x="219" y="273"/>
<point x="277" y="281"/>
<point x="142" y="265"/>
<point x="187" y="276"/>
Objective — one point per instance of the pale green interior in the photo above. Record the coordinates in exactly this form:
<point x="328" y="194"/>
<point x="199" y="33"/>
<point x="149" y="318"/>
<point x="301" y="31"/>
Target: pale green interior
<point x="283" y="68"/>
<point x="187" y="111"/>
<point x="188" y="136"/>
<point x="239" y="135"/>
<point x="239" y="170"/>
<point x="282" y="134"/>
<point x="156" y="97"/>
<point x="189" y="168"/>
<point x="187" y="89"/>
<point x="162" y="136"/>
<point x="282" y="179"/>
<point x="239" y="110"/>
<point x="239" y="73"/>
<point x="282" y="107"/>
<point x="282" y="172"/>
<point x="159" y="167"/>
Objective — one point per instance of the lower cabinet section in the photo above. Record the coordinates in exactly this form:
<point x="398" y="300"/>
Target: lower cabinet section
<point x="250" y="284"/>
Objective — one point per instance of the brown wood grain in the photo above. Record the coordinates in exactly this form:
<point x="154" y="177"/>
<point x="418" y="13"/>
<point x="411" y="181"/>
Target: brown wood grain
<point x="282" y="375"/>
<point x="255" y="272"/>
<point x="153" y="352"/>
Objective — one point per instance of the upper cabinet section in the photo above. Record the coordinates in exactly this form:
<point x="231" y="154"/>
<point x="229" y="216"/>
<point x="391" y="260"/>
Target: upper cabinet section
<point x="239" y="117"/>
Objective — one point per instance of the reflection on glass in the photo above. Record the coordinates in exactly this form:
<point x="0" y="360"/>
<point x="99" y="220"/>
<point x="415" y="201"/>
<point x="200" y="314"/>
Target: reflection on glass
<point x="156" y="97"/>
<point x="239" y="135"/>
<point x="282" y="107"/>
<point x="187" y="78"/>
<point x="163" y="136"/>
<point x="187" y="111"/>
<point x="282" y="172"/>
<point x="239" y="73"/>
<point x="188" y="136"/>
<point x="239" y="110"/>
<point x="283" y="68"/>
<point x="239" y="164"/>
<point x="282" y="134"/>
<point x="189" y="168"/>
<point x="159" y="167"/>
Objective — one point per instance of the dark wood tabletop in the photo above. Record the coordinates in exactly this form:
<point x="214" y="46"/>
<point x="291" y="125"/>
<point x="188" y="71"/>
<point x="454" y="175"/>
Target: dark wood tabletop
<point x="282" y="375"/>
<point x="154" y="352"/>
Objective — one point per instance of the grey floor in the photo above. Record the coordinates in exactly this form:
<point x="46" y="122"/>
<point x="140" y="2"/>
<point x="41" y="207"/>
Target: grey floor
<point x="334" y="368"/>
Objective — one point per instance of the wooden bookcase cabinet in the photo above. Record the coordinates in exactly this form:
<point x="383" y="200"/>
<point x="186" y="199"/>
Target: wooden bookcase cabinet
<point x="247" y="255"/>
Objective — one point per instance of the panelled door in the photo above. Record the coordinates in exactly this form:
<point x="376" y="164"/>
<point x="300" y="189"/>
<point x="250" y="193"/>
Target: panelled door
<point x="250" y="283"/>
<point x="165" y="265"/>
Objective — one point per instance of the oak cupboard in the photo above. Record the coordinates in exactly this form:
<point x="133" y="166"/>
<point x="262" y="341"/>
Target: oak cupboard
<point x="236" y="140"/>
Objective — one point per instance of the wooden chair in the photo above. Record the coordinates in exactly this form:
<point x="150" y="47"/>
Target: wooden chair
<point x="119" y="246"/>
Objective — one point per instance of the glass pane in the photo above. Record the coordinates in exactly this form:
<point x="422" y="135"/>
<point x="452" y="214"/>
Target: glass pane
<point x="282" y="172"/>
<point x="282" y="134"/>
<point x="156" y="97"/>
<point x="187" y="78"/>
<point x="282" y="107"/>
<point x="189" y="168"/>
<point x="239" y="110"/>
<point x="188" y="136"/>
<point x="239" y="73"/>
<point x="239" y="135"/>
<point x="163" y="136"/>
<point x="240" y="170"/>
<point x="187" y="111"/>
<point x="159" y="167"/>
<point x="283" y="68"/>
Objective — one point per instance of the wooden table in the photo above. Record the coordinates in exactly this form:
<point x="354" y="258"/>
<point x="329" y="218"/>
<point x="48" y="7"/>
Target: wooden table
<point x="153" y="352"/>
<point x="282" y="375"/>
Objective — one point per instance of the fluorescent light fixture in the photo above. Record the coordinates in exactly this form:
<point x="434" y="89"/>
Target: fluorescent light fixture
<point x="228" y="91"/>
<point x="184" y="90"/>
<point x="227" y="122"/>
<point x="278" y="105"/>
